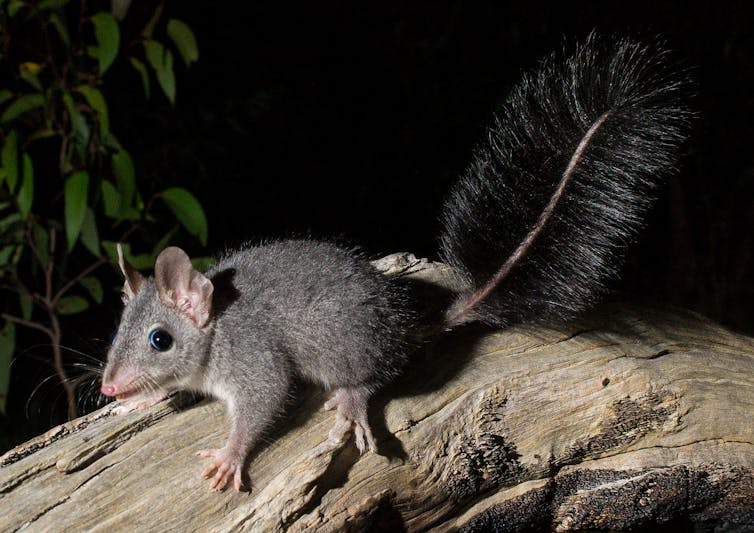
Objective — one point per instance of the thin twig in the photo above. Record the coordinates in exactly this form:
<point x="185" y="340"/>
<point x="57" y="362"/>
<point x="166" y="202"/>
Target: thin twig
<point x="58" y="363"/>
<point x="81" y="275"/>
<point x="11" y="288"/>
<point x="50" y="54"/>
<point x="82" y="16"/>
<point x="29" y="324"/>
<point x="48" y="281"/>
<point x="128" y="232"/>
<point x="149" y="28"/>
<point x="54" y="332"/>
<point x="32" y="244"/>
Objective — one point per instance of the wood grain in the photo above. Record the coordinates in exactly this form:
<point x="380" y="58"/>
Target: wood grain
<point x="634" y="415"/>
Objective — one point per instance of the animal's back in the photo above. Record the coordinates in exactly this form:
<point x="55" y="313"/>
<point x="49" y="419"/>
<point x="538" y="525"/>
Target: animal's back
<point x="326" y="308"/>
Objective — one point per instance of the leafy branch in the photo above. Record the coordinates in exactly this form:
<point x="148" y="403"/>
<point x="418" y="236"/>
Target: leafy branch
<point x="58" y="228"/>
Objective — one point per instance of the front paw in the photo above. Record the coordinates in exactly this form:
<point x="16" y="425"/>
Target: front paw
<point x="226" y="466"/>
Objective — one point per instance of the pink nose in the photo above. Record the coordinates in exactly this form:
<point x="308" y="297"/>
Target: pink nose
<point x="107" y="390"/>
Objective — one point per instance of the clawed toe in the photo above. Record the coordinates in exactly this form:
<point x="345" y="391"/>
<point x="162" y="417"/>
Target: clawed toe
<point x="363" y="437"/>
<point x="222" y="470"/>
<point x="340" y="430"/>
<point x="351" y="415"/>
<point x="362" y="433"/>
<point x="335" y="401"/>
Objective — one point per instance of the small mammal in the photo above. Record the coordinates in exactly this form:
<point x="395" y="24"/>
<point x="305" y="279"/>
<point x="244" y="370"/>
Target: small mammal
<point x="536" y="227"/>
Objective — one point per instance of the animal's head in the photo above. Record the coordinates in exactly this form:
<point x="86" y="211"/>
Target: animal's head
<point x="165" y="330"/>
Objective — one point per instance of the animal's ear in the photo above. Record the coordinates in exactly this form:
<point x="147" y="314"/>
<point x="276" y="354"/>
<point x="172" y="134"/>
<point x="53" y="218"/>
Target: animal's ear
<point x="182" y="287"/>
<point x="133" y="278"/>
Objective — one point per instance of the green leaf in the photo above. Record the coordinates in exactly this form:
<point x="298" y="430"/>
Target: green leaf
<point x="17" y="254"/>
<point x="161" y="60"/>
<point x="22" y="104"/>
<point x="202" y="263"/>
<point x="26" y="191"/>
<point x="93" y="287"/>
<point x="188" y="211"/>
<point x="142" y="261"/>
<point x="163" y="243"/>
<point x="70" y="305"/>
<point x="26" y="303"/>
<point x="61" y="28"/>
<point x="111" y="199"/>
<point x="111" y="141"/>
<point x="108" y="39"/>
<point x="76" y="194"/>
<point x="111" y="251"/>
<point x="89" y="234"/>
<point x="97" y="102"/>
<point x="5" y="95"/>
<point x="5" y="254"/>
<point x="14" y="6"/>
<point x="123" y="169"/>
<point x="9" y="158"/>
<point x="119" y="9"/>
<point x="42" y="133"/>
<point x="141" y="68"/>
<point x="7" y="347"/>
<point x="80" y="126"/>
<point x="184" y="40"/>
<point x="29" y="72"/>
<point x="130" y="213"/>
<point x="139" y="262"/>
<point x="42" y="243"/>
<point x="9" y="220"/>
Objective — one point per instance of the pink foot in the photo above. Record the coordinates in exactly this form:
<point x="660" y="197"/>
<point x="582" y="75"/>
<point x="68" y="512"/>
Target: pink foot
<point x="352" y="414"/>
<point x="223" y="469"/>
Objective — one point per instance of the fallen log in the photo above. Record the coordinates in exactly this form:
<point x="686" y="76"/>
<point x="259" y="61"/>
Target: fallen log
<point x="632" y="416"/>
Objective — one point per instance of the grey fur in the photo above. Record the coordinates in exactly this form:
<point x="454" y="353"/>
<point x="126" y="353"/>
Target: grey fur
<point x="285" y="310"/>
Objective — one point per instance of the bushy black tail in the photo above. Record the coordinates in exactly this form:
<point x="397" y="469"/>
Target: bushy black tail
<point x="540" y="221"/>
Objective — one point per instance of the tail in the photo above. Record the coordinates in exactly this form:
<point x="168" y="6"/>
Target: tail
<point x="540" y="221"/>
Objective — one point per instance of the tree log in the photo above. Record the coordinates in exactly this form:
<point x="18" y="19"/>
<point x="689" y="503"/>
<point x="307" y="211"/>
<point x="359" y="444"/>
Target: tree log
<point x="632" y="416"/>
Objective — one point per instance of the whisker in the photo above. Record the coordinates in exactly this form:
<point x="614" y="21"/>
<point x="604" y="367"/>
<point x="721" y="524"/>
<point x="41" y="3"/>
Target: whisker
<point x="87" y="355"/>
<point x="34" y="392"/>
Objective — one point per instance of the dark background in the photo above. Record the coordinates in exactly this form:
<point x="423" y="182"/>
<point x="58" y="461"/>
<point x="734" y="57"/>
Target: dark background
<point x="350" y="120"/>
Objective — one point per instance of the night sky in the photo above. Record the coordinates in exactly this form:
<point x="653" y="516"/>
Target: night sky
<point x="351" y="122"/>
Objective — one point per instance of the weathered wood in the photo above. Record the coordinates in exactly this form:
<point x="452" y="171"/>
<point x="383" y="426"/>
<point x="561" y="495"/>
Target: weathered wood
<point x="635" y="415"/>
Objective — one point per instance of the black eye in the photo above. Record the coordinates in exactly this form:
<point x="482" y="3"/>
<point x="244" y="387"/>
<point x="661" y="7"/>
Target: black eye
<point x="160" y="340"/>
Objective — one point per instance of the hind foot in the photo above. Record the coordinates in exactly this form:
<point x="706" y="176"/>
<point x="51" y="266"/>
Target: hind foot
<point x="352" y="415"/>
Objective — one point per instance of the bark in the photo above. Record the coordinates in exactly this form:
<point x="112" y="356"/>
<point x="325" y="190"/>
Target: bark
<point x="633" y="416"/>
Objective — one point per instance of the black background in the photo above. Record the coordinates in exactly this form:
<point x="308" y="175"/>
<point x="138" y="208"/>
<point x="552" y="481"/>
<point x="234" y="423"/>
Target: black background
<point x="350" y="120"/>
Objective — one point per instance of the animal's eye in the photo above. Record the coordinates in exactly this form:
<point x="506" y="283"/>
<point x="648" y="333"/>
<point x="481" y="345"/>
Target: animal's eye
<point x="160" y="340"/>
